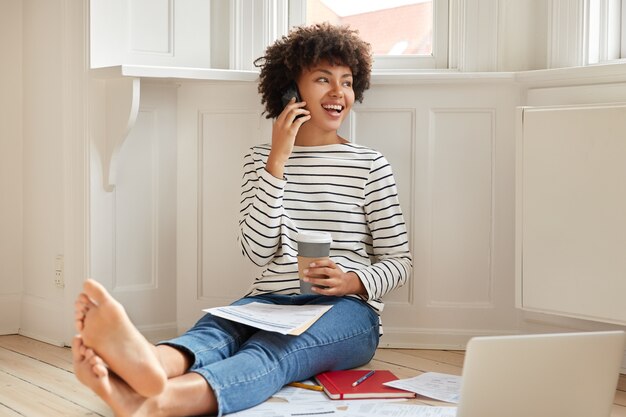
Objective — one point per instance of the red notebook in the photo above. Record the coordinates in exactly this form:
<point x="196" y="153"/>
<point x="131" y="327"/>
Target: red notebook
<point x="338" y="385"/>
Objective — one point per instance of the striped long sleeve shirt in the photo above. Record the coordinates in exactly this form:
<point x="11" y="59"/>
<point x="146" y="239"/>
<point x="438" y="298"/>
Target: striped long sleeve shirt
<point x="345" y="189"/>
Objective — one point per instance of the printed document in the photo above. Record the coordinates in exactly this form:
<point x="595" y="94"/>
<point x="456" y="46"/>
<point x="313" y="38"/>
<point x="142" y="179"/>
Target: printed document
<point x="270" y="409"/>
<point x="285" y="319"/>
<point x="434" y="385"/>
<point x="397" y="410"/>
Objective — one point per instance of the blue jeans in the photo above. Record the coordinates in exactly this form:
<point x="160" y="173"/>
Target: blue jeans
<point x="245" y="366"/>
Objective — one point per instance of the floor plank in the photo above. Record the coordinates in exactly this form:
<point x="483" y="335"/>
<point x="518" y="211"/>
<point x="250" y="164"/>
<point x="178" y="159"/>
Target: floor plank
<point x="5" y="411"/>
<point x="31" y="400"/>
<point x="37" y="380"/>
<point x="53" y="355"/>
<point x="404" y="358"/>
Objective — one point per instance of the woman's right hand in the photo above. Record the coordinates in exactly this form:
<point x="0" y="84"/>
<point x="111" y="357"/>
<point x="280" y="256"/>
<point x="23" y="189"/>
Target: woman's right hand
<point x="284" y="131"/>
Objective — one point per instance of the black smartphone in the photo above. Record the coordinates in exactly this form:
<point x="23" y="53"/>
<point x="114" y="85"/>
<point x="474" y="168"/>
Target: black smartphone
<point x="291" y="92"/>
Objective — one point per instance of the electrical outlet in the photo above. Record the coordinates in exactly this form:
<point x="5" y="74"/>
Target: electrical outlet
<point x="59" y="279"/>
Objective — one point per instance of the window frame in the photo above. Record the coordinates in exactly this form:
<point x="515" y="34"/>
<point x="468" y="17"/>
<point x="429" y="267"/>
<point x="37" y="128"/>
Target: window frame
<point x="256" y="24"/>
<point x="610" y="31"/>
<point x="437" y="60"/>
<point x="623" y="31"/>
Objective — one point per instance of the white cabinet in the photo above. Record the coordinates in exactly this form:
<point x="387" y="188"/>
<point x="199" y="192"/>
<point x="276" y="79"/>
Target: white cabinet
<point x="150" y="32"/>
<point x="571" y="211"/>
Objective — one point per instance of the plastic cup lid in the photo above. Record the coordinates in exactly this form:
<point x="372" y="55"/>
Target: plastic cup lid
<point x="314" y="237"/>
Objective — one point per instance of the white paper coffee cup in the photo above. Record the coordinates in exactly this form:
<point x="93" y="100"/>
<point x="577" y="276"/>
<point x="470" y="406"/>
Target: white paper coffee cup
<point x="312" y="246"/>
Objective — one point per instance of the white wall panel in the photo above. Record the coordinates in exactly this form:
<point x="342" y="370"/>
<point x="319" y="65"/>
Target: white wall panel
<point x="580" y="87"/>
<point x="217" y="124"/>
<point x="452" y="150"/>
<point x="461" y="220"/>
<point x="136" y="208"/>
<point x="371" y="127"/>
<point x="220" y="264"/>
<point x="571" y="228"/>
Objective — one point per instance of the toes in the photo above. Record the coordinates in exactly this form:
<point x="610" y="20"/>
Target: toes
<point x="81" y="308"/>
<point x="83" y="300"/>
<point x="77" y="348"/>
<point x="79" y="320"/>
<point x="89" y="354"/>
<point x="98" y="367"/>
<point x="99" y="370"/>
<point x="95" y="291"/>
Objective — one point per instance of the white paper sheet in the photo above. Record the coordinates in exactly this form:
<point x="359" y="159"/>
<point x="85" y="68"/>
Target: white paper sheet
<point x="434" y="385"/>
<point x="284" y="319"/>
<point x="271" y="409"/>
<point x="301" y="395"/>
<point x="396" y="410"/>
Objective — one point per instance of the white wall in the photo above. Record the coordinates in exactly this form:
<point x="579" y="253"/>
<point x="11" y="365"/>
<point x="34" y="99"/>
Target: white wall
<point x="10" y="164"/>
<point x="43" y="223"/>
<point x="42" y="164"/>
<point x="45" y="210"/>
<point x="451" y="144"/>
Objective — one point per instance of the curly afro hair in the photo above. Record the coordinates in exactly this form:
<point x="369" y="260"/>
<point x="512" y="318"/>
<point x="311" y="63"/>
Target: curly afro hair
<point x="304" y="47"/>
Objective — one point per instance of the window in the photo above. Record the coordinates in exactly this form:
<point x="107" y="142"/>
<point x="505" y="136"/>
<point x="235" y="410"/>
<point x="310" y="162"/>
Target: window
<point x="404" y="34"/>
<point x="423" y="43"/>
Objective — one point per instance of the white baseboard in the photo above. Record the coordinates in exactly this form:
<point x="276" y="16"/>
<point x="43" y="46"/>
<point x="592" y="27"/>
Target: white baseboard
<point x="43" y="320"/>
<point x="453" y="339"/>
<point x="159" y="332"/>
<point x="10" y="310"/>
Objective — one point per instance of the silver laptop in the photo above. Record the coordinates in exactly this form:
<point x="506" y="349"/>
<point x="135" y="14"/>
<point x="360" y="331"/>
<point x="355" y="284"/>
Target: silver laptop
<point x="545" y="375"/>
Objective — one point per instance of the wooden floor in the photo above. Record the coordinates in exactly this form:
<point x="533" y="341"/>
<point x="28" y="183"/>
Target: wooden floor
<point x="36" y="379"/>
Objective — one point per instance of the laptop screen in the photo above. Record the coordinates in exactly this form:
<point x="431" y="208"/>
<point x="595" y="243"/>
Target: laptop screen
<point x="545" y="375"/>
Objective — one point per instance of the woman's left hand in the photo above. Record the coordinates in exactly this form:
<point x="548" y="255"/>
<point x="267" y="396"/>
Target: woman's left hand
<point x="328" y="279"/>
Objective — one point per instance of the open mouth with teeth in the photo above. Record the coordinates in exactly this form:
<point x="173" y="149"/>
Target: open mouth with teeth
<point x="333" y="108"/>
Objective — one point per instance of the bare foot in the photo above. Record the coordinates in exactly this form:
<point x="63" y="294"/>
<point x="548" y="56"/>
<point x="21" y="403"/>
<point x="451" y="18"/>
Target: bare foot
<point x="106" y="328"/>
<point x="92" y="372"/>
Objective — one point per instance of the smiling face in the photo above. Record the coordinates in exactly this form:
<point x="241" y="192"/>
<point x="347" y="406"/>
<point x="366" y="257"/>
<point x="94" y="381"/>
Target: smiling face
<point x="327" y="90"/>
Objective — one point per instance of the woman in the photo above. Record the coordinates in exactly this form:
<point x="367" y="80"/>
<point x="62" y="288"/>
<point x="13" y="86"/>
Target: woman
<point x="308" y="178"/>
